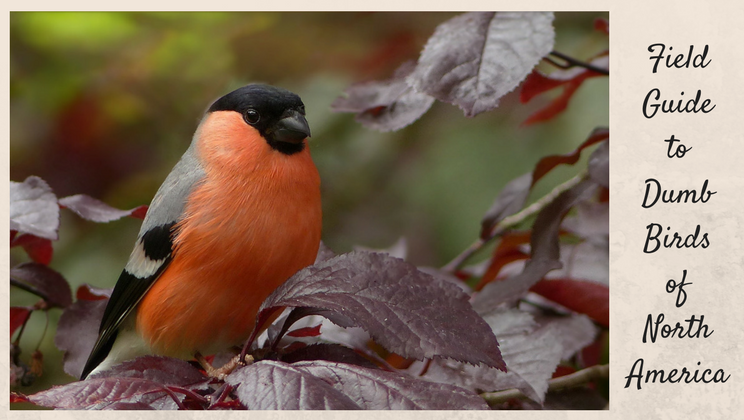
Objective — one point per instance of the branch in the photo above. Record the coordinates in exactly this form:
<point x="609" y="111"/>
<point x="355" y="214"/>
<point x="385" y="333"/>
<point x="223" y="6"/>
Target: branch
<point x="511" y="221"/>
<point x="572" y="62"/>
<point x="557" y="384"/>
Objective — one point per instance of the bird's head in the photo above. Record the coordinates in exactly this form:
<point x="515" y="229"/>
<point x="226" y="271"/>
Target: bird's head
<point x="277" y="114"/>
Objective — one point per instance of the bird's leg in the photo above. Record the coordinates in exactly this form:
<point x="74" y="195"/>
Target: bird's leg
<point x="222" y="372"/>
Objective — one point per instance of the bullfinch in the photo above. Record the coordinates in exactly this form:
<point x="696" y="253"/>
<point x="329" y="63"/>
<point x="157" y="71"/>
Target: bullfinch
<point x="238" y="215"/>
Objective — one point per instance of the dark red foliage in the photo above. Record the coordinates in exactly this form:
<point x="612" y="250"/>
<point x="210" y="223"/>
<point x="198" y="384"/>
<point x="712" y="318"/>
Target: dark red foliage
<point x="585" y="297"/>
<point x="88" y="292"/>
<point x="365" y="288"/>
<point x="305" y="332"/>
<point x="18" y="317"/>
<point x="602" y="25"/>
<point x="571" y="79"/>
<point x="547" y="163"/>
<point x="38" y="249"/>
<point x="506" y="252"/>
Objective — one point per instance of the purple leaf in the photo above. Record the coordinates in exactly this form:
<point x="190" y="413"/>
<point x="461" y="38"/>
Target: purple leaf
<point x="545" y="251"/>
<point x="544" y="239"/>
<point x="599" y="165"/>
<point x="588" y="260"/>
<point x="163" y="370"/>
<point x="271" y="385"/>
<point x="100" y="393"/>
<point x="531" y="350"/>
<point x="95" y="210"/>
<point x="513" y="288"/>
<point x="324" y="253"/>
<point x="474" y="59"/>
<point x="592" y="220"/>
<point x="509" y="201"/>
<point x="329" y="352"/>
<point x="77" y="332"/>
<point x="385" y="105"/>
<point x="34" y="208"/>
<point x="374" y="389"/>
<point x="129" y="406"/>
<point x="43" y="282"/>
<point x="398" y="250"/>
<point x="400" y="306"/>
<point x="145" y="380"/>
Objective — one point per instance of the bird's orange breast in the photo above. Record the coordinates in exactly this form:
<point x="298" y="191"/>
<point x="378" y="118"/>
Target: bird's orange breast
<point x="253" y="222"/>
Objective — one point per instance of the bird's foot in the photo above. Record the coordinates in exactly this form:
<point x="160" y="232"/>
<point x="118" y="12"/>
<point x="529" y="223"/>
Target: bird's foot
<point x="222" y="372"/>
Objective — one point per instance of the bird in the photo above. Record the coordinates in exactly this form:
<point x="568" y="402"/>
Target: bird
<point x="237" y="216"/>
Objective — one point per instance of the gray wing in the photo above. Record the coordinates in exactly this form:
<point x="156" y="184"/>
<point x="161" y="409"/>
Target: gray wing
<point x="151" y="254"/>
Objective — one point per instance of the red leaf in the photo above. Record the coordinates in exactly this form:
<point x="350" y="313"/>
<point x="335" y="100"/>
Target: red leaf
<point x="139" y="212"/>
<point x="586" y="297"/>
<point x="17" y="397"/>
<point x="88" y="292"/>
<point x="592" y="354"/>
<point x="571" y="79"/>
<point x="43" y="282"/>
<point x="535" y="84"/>
<point x="556" y="106"/>
<point x="602" y="25"/>
<point x="305" y="332"/>
<point x="18" y="317"/>
<point x="38" y="249"/>
<point x="506" y="252"/>
<point x="562" y="370"/>
<point x="547" y="163"/>
<point x="95" y="210"/>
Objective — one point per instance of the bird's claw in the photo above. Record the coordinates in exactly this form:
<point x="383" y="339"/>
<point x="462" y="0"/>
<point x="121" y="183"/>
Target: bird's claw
<point x="226" y="369"/>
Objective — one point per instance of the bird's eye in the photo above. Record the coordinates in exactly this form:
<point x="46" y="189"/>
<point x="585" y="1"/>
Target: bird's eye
<point x="251" y="116"/>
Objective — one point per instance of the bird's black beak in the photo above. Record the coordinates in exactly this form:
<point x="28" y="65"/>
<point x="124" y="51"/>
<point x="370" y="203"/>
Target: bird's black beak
<point x="292" y="128"/>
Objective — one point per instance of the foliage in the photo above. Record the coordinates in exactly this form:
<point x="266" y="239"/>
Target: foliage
<point x="367" y="329"/>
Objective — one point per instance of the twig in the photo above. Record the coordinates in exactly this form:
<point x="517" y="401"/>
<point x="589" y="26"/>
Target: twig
<point x="510" y="221"/>
<point x="568" y="381"/>
<point x="572" y="62"/>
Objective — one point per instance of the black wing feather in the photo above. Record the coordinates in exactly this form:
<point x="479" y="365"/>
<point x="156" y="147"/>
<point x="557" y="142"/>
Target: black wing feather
<point x="157" y="244"/>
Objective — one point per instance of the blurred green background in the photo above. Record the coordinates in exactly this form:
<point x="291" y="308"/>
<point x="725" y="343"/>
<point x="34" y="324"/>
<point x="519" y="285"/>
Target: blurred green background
<point x="105" y="103"/>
